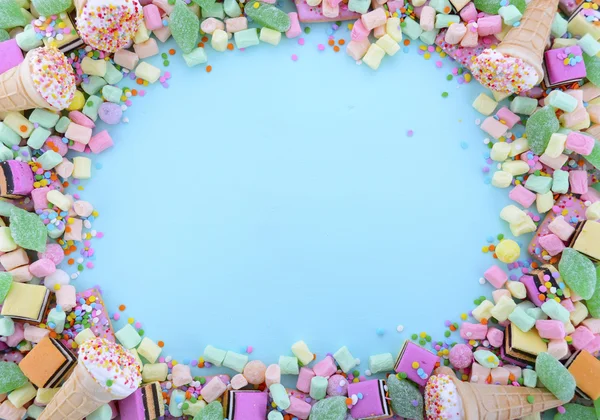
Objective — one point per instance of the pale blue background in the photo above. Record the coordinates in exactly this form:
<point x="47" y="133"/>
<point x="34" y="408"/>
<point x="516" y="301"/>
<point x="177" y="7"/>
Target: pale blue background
<point x="272" y="201"/>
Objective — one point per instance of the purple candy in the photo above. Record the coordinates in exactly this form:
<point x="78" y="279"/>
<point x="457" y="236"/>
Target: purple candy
<point x="110" y="113"/>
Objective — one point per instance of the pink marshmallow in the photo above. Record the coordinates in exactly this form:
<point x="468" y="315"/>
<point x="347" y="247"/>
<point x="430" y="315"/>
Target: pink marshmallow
<point x="522" y="195"/>
<point x="359" y="32"/>
<point x="561" y="228"/>
<point x="559" y="349"/>
<point x="146" y="49"/>
<point x="65" y="168"/>
<point x="236" y="24"/>
<point x="550" y="329"/>
<point x="14" y="259"/>
<point x="213" y="390"/>
<point x="498" y="293"/>
<point x="427" y="21"/>
<point x="479" y="374"/>
<point x="299" y="408"/>
<point x="500" y="376"/>
<point x="592" y="324"/>
<point x="17" y="336"/>
<point x="578" y="181"/>
<point x="21" y="274"/>
<point x="580" y="143"/>
<point x="182" y="375"/>
<point x="374" y="18"/>
<point x="493" y="127"/>
<point x="552" y="244"/>
<point x="325" y="367"/>
<point x="238" y="381"/>
<point x="81" y="119"/>
<point x="554" y="163"/>
<point x="489" y="25"/>
<point x="38" y="196"/>
<point x="379" y="31"/>
<point x="571" y="119"/>
<point x="100" y="142"/>
<point x="469" y="331"/>
<point x="592" y="196"/>
<point x="211" y="24"/>
<point x="471" y="38"/>
<point x="78" y="147"/>
<point x="66" y="297"/>
<point x="79" y="133"/>
<point x="495" y="337"/>
<point x="42" y="267"/>
<point x="75" y="230"/>
<point x="54" y="252"/>
<point x="272" y="375"/>
<point x="593" y="346"/>
<point x="469" y="12"/>
<point x="509" y="118"/>
<point x="11" y="55"/>
<point x="394" y="5"/>
<point x="581" y="337"/>
<point x="162" y="34"/>
<point x="56" y="143"/>
<point x="358" y="49"/>
<point x="589" y="92"/>
<point x="295" y="29"/>
<point x="568" y="304"/>
<point x="496" y="276"/>
<point x="516" y="371"/>
<point x="152" y="17"/>
<point x="34" y="334"/>
<point x="455" y="33"/>
<point x="127" y="59"/>
<point x="304" y="378"/>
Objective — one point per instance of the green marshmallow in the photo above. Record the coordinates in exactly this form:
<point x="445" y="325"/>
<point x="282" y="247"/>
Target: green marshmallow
<point x="359" y="6"/>
<point x="7" y="326"/>
<point x="38" y="137"/>
<point x="441" y="6"/>
<point x="112" y="75"/>
<point x="4" y="36"/>
<point x="578" y="272"/>
<point x="174" y="410"/>
<point x="267" y="15"/>
<point x="559" y="26"/>
<point x="6" y="281"/>
<point x="5" y="209"/>
<point x="520" y="318"/>
<point x="11" y="15"/>
<point x="246" y="38"/>
<point x="5" y="153"/>
<point x="91" y="107"/>
<point x="274" y="415"/>
<point x="562" y="101"/>
<point x="289" y="365"/>
<point x="381" y="363"/>
<point x="428" y="37"/>
<point x="540" y="127"/>
<point x="510" y="14"/>
<point x="8" y="136"/>
<point x="27" y="230"/>
<point x="28" y="40"/>
<point x="49" y="159"/>
<point x="402" y="394"/>
<point x="280" y="396"/>
<point x="11" y="377"/>
<point x="318" y="387"/>
<point x="213" y="411"/>
<point x="44" y="118"/>
<point x="185" y="26"/>
<point x="344" y="359"/>
<point x="128" y="336"/>
<point x="62" y="125"/>
<point x="486" y="359"/>
<point x="576" y="412"/>
<point x="594" y="157"/>
<point x="34" y="411"/>
<point x="523" y="105"/>
<point x="232" y="8"/>
<point x="555" y="376"/>
<point x="560" y="182"/>
<point x="51" y="7"/>
<point x="235" y="361"/>
<point x="333" y="408"/>
<point x="444" y="21"/>
<point x="214" y="355"/>
<point x="213" y="10"/>
<point x="593" y="303"/>
<point x="24" y="153"/>
<point x="536" y="313"/>
<point x="538" y="184"/>
<point x="411" y="28"/>
<point x="529" y="378"/>
<point x="555" y="310"/>
<point x="197" y="56"/>
<point x="112" y="94"/>
<point x="93" y="84"/>
<point x="104" y="412"/>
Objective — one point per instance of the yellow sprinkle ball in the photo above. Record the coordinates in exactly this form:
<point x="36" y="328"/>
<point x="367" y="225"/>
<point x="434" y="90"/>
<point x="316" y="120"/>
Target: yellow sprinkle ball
<point x="78" y="101"/>
<point x="56" y="287"/>
<point x="508" y="251"/>
<point x="130" y="320"/>
<point x="415" y="365"/>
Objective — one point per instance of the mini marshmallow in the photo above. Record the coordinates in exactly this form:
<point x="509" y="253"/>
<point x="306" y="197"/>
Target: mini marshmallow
<point x="82" y="208"/>
<point x="34" y="334"/>
<point x="489" y="25"/>
<point x="295" y="29"/>
<point x="238" y="381"/>
<point x="479" y="374"/>
<point x="79" y="133"/>
<point x="483" y="310"/>
<point x="561" y="228"/>
<point x="21" y="274"/>
<point x="325" y="367"/>
<point x="592" y="212"/>
<point x="471" y="38"/>
<point x="580" y="143"/>
<point x="500" y="376"/>
<point x="502" y="179"/>
<point x="495" y="276"/>
<point x="522" y="196"/>
<point x="58" y="199"/>
<point x="147" y="72"/>
<point x="502" y="310"/>
<point x="212" y="390"/>
<point x="302" y="352"/>
<point x="516" y="167"/>
<point x="388" y="44"/>
<point x="66" y="297"/>
<point x="469" y="331"/>
<point x="578" y="314"/>
<point x="14" y="259"/>
<point x="304" y="378"/>
<point x="65" y="168"/>
<point x="392" y="28"/>
<point x="544" y="202"/>
<point x="500" y="151"/>
<point x="550" y="329"/>
<point x="82" y="167"/>
<point x="152" y="17"/>
<point x="485" y="105"/>
<point x="155" y="372"/>
<point x="516" y="289"/>
<point x="427" y="20"/>
<point x="469" y="13"/>
<point x="357" y="49"/>
<point x="299" y="408"/>
<point x="146" y="49"/>
<point x="559" y="349"/>
<point x="374" y="18"/>
<point x="518" y="147"/>
<point x="581" y="337"/>
<point x="578" y="181"/>
<point x="181" y="375"/>
<point x="214" y="355"/>
<point x="455" y="33"/>
<point x="219" y="40"/>
<point x="556" y="145"/>
<point x="374" y="56"/>
<point x="552" y="244"/>
<point x="272" y="375"/>
<point x="93" y="67"/>
<point x="100" y="142"/>
<point x="237" y="24"/>
<point x="40" y="268"/>
<point x="513" y="215"/>
<point x="507" y="117"/>
<point x="493" y="127"/>
<point x="270" y="36"/>
<point x="555" y="311"/>
<point x="210" y="25"/>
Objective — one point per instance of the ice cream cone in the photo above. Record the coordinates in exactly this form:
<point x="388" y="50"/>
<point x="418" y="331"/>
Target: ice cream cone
<point x="79" y="5"/>
<point x="528" y="40"/>
<point x="17" y="90"/>
<point x="503" y="402"/>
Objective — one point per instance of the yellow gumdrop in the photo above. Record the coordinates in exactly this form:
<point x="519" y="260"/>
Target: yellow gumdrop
<point x="508" y="251"/>
<point x="77" y="102"/>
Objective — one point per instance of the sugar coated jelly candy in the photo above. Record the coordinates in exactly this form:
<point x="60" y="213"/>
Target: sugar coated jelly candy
<point x="11" y="15"/>
<point x="576" y="412"/>
<point x="579" y="272"/>
<point x="540" y="127"/>
<point x="27" y="230"/>
<point x="267" y="15"/>
<point x="51" y="7"/>
<point x="593" y="303"/>
<point x="493" y="6"/>
<point x="329" y="409"/>
<point x="6" y="281"/>
<point x="406" y="399"/>
<point x="4" y="36"/>
<point x="555" y="376"/>
<point x="592" y="68"/>
<point x="11" y="377"/>
<point x="185" y="26"/>
<point x="213" y="411"/>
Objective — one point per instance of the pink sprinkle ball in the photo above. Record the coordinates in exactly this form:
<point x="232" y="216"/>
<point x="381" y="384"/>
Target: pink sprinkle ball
<point x="439" y="64"/>
<point x="561" y="410"/>
<point x="461" y="356"/>
<point x="300" y="41"/>
<point x="249" y="349"/>
<point x="116" y="316"/>
<point x="138" y="325"/>
<point x="321" y="47"/>
<point x="294" y="57"/>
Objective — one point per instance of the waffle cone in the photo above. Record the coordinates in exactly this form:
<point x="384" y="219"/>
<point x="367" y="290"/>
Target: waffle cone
<point x="503" y="402"/>
<point x="17" y="92"/>
<point x="528" y="40"/>
<point x="79" y="5"/>
<point x="77" y="398"/>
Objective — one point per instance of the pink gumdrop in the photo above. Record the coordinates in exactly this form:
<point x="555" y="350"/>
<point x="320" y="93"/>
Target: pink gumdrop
<point x="337" y="385"/>
<point x="254" y="372"/>
<point x="461" y="356"/>
<point x="55" y="143"/>
<point x="42" y="267"/>
<point x="53" y="252"/>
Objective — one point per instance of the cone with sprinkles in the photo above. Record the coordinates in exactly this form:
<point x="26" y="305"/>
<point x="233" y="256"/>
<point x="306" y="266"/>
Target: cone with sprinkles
<point x="105" y="372"/>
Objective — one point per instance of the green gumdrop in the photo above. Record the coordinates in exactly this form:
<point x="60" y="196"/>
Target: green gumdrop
<point x="592" y="68"/>
<point x="403" y="393"/>
<point x="51" y="7"/>
<point x="540" y="127"/>
<point x="28" y="230"/>
<point x="204" y="3"/>
<point x="593" y="303"/>
<point x="493" y="6"/>
<point x="4" y="36"/>
<point x="578" y="272"/>
<point x="576" y="412"/>
<point x="555" y="376"/>
<point x="185" y="26"/>
<point x="213" y="411"/>
<point x="6" y="281"/>
<point x="11" y="15"/>
<point x="11" y="377"/>
<point x="333" y="408"/>
<point x="268" y="16"/>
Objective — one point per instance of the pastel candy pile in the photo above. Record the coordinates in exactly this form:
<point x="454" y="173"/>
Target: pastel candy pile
<point x="555" y="377"/>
